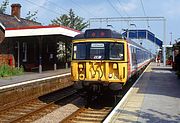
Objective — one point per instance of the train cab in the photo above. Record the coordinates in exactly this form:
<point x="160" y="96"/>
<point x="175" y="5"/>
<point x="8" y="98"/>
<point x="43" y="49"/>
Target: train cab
<point x="99" y="57"/>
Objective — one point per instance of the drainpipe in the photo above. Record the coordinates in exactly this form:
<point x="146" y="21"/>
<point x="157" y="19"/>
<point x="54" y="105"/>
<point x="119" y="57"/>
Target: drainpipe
<point x="18" y="54"/>
<point x="40" y="54"/>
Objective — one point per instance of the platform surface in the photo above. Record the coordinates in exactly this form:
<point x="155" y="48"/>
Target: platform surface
<point x="155" y="98"/>
<point x="31" y="76"/>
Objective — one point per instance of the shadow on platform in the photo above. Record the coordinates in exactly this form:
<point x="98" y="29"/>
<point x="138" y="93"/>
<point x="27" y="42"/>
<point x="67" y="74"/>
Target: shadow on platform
<point x="160" y="81"/>
<point x="148" y="116"/>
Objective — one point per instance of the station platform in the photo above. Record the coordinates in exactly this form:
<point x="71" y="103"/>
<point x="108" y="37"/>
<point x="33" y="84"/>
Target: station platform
<point x="28" y="76"/>
<point x="154" y="98"/>
<point x="17" y="89"/>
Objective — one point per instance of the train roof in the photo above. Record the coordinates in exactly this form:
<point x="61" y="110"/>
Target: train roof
<point x="98" y="33"/>
<point x="104" y="33"/>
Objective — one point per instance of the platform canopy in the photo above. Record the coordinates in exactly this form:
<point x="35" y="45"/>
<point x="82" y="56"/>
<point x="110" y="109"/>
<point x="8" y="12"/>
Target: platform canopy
<point x="143" y="34"/>
<point x="40" y="30"/>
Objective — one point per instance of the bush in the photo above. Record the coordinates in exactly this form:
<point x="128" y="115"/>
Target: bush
<point x="6" y="70"/>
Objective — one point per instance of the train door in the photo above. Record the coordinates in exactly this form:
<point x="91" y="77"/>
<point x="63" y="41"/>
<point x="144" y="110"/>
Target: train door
<point x="133" y="60"/>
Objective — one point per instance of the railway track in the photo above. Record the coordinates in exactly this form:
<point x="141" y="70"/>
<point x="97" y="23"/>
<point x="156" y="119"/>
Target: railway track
<point x="95" y="115"/>
<point x="34" y="109"/>
<point x="88" y="115"/>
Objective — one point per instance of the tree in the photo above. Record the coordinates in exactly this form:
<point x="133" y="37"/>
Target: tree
<point x="70" y="20"/>
<point x="3" y="6"/>
<point x="31" y="16"/>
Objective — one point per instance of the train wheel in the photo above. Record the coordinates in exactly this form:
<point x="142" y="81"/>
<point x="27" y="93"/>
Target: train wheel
<point x="117" y="96"/>
<point x="88" y="100"/>
<point x="115" y="99"/>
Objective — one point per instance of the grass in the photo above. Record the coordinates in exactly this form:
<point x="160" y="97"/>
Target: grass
<point x="6" y="71"/>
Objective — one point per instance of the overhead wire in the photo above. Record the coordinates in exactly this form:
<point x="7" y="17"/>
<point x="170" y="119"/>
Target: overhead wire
<point x="43" y="7"/>
<point x="124" y="11"/>
<point x="114" y="7"/>
<point x="82" y="7"/>
<point x="144" y="13"/>
<point x="143" y="8"/>
<point x="49" y="10"/>
<point x="123" y="7"/>
<point x="57" y="5"/>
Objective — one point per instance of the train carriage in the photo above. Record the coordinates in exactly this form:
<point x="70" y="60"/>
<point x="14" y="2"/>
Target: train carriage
<point x="103" y="59"/>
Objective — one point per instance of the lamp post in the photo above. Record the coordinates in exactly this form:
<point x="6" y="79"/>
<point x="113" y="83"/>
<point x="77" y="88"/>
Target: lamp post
<point x="164" y="40"/>
<point x="109" y="25"/>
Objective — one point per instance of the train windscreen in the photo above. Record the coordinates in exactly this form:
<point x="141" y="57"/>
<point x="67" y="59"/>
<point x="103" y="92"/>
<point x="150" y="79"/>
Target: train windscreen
<point x="98" y="51"/>
<point x="79" y="51"/>
<point x="116" y="51"/>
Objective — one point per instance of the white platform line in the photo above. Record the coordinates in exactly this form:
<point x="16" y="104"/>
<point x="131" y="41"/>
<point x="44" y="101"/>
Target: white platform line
<point x="107" y="120"/>
<point x="33" y="81"/>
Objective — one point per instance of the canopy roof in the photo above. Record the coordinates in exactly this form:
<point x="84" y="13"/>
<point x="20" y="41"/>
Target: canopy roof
<point x="143" y="34"/>
<point x="40" y="30"/>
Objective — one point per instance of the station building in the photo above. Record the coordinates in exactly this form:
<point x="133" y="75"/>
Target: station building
<point x="145" y="38"/>
<point x="29" y="44"/>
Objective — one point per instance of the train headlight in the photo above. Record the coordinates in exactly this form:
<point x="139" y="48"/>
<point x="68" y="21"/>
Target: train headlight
<point x="80" y="66"/>
<point x="110" y="75"/>
<point x="81" y="69"/>
<point x="115" y="66"/>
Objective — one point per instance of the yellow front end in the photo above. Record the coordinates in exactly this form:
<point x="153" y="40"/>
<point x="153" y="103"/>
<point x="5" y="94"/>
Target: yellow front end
<point x="105" y="71"/>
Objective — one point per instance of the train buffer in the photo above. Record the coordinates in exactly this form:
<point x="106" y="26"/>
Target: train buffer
<point x="154" y="98"/>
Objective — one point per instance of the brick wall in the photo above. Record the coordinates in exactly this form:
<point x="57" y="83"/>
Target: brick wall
<point x="17" y="94"/>
<point x="6" y="59"/>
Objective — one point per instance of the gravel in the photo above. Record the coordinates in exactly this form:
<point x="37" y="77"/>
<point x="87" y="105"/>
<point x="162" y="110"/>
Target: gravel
<point x="58" y="115"/>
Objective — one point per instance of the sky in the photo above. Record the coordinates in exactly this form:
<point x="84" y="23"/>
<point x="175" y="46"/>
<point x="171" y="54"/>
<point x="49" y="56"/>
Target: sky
<point x="51" y="9"/>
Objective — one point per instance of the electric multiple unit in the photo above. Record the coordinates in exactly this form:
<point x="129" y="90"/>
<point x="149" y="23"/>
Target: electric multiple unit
<point x="103" y="59"/>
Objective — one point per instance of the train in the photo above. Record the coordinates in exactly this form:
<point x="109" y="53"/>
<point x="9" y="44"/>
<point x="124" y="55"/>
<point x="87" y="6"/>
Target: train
<point x="102" y="59"/>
